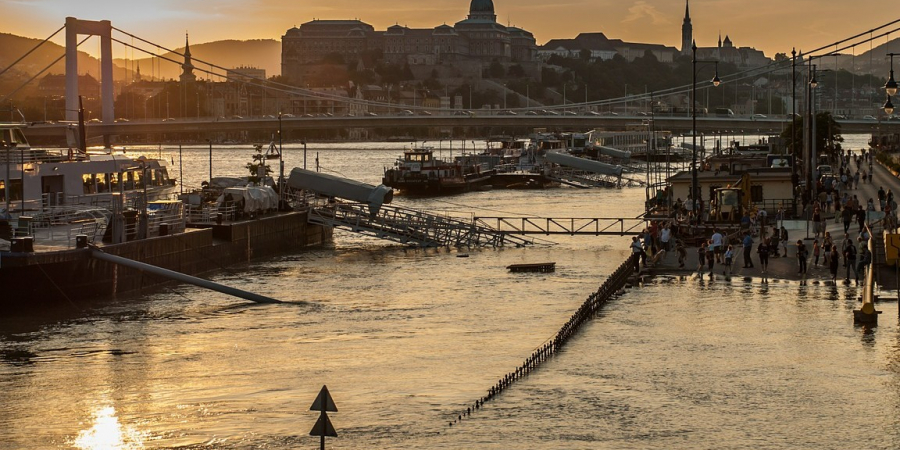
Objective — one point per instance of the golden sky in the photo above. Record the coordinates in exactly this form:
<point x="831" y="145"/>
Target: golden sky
<point x="768" y="25"/>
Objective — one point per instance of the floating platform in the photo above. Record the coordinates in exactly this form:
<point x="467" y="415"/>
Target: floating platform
<point x="533" y="267"/>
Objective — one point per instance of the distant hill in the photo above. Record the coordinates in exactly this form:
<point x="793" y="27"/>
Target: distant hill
<point x="258" y="53"/>
<point x="13" y="47"/>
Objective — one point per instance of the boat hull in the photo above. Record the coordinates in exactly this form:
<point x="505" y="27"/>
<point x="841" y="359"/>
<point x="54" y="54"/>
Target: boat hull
<point x="71" y="277"/>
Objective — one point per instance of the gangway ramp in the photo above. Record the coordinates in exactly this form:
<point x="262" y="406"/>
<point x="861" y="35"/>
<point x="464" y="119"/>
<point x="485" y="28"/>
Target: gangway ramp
<point x="571" y="225"/>
<point x="583" y="178"/>
<point x="411" y="226"/>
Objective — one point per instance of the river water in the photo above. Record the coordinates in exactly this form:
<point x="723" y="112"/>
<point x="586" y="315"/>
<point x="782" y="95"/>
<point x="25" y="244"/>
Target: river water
<point x="407" y="338"/>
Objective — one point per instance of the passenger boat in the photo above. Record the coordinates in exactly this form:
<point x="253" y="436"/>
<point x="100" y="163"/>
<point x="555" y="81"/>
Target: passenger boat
<point x="419" y="172"/>
<point x="640" y="144"/>
<point x="33" y="179"/>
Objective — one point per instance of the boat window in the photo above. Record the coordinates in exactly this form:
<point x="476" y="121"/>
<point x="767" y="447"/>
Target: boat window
<point x="163" y="176"/>
<point x="128" y="180"/>
<point x="87" y="180"/>
<point x="138" y="179"/>
<point x="102" y="185"/>
<point x="15" y="190"/>
<point x="113" y="182"/>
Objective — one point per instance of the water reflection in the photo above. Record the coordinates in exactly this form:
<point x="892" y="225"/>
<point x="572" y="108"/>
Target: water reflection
<point x="106" y="433"/>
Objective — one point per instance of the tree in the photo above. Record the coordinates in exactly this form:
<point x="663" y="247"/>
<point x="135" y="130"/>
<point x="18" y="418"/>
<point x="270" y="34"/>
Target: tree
<point x="827" y="139"/>
<point x="258" y="166"/>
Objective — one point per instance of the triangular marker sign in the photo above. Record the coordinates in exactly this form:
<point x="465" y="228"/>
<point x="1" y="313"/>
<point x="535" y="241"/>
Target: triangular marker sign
<point x="323" y="427"/>
<point x="323" y="402"/>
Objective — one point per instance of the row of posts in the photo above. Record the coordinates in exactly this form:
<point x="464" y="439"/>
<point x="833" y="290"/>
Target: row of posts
<point x="608" y="290"/>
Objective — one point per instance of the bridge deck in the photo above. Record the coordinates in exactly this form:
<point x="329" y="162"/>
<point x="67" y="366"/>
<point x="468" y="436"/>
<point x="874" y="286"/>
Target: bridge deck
<point x="570" y="225"/>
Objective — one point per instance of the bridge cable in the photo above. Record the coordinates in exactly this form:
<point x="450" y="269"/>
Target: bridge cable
<point x="4" y="99"/>
<point x="32" y="50"/>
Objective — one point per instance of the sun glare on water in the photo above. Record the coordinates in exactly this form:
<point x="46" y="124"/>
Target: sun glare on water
<point x="107" y="433"/>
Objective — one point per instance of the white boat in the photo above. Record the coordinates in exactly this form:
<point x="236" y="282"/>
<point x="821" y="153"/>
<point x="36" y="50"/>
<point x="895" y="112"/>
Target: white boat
<point x="33" y="179"/>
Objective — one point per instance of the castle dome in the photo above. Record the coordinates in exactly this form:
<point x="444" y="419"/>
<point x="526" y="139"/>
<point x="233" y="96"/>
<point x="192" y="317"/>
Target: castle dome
<point x="481" y="6"/>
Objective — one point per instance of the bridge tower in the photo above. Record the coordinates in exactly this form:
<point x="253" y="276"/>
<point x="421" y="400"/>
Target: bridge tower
<point x="103" y="28"/>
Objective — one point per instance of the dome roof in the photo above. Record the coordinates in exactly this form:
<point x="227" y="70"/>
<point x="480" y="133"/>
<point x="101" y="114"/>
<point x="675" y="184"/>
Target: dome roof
<point x="481" y="6"/>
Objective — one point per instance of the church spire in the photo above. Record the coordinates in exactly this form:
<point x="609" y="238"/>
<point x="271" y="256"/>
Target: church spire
<point x="687" y="30"/>
<point x="187" y="68"/>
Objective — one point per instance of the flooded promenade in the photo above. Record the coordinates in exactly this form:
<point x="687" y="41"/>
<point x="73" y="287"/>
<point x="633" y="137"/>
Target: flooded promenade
<point x="406" y="339"/>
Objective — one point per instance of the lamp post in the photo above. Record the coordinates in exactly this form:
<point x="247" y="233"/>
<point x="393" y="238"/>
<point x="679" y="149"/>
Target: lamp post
<point x="890" y="88"/>
<point x="695" y="198"/>
<point x="280" y="159"/>
<point x="210" y="160"/>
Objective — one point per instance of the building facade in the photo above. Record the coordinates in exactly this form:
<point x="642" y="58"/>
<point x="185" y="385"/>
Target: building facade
<point x="468" y="46"/>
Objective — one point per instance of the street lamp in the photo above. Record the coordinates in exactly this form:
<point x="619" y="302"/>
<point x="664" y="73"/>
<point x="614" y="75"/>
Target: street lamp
<point x="695" y="198"/>
<point x="890" y="88"/>
<point x="280" y="159"/>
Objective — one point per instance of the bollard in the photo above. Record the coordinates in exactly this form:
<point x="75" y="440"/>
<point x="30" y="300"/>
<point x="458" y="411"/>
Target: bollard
<point x="81" y="241"/>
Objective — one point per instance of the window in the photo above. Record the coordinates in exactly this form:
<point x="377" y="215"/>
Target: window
<point x="15" y="190"/>
<point x="87" y="180"/>
<point x="756" y="194"/>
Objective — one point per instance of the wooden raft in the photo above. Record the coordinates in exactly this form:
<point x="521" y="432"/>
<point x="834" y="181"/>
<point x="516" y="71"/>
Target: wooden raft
<point x="534" y="267"/>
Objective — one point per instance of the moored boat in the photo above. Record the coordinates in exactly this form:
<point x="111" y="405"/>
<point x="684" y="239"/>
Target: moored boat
<point x="419" y="172"/>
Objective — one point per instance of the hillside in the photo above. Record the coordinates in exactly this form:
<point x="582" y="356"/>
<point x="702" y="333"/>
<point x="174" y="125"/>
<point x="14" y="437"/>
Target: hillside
<point x="264" y="54"/>
<point x="12" y="47"/>
<point x="259" y="53"/>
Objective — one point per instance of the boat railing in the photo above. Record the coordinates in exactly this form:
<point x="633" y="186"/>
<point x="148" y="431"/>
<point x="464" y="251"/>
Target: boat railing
<point x="33" y="155"/>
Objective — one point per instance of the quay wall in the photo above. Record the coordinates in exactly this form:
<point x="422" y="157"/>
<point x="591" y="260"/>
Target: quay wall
<point x="69" y="277"/>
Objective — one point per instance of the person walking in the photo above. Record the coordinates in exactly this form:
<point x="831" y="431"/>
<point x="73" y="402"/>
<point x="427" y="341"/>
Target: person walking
<point x="701" y="258"/>
<point x="637" y="249"/>
<point x="847" y="216"/>
<point x="850" y="262"/>
<point x="711" y="258"/>
<point x="665" y="235"/>
<point x="784" y="240"/>
<point x="833" y="263"/>
<point x="801" y="257"/>
<point x="762" y="250"/>
<point x="816" y="252"/>
<point x="729" y="260"/>
<point x="747" y="244"/>
<point x="827" y="242"/>
<point x="717" y="246"/>
<point x="682" y="253"/>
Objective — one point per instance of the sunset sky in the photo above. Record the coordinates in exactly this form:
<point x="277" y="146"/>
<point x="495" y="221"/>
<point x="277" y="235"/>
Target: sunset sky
<point x="768" y="25"/>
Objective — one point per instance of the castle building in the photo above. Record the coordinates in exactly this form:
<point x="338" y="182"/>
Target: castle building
<point x="463" y="49"/>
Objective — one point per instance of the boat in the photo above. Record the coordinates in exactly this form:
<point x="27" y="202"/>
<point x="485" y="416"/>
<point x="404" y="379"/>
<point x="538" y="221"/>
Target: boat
<point x="64" y="212"/>
<point x="639" y="144"/>
<point x="419" y="172"/>
<point x="34" y="179"/>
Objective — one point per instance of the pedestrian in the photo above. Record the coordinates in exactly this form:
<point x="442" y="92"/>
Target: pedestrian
<point x="665" y="235"/>
<point x="833" y="263"/>
<point x="865" y="257"/>
<point x="847" y="216"/>
<point x="747" y="244"/>
<point x="850" y="262"/>
<point x="729" y="260"/>
<point x="682" y="253"/>
<point x="711" y="256"/>
<point x="816" y="252"/>
<point x="636" y="249"/>
<point x="701" y="258"/>
<point x="762" y="250"/>
<point x="716" y="243"/>
<point x="784" y="240"/>
<point x="861" y="218"/>
<point x="827" y="242"/>
<point x="801" y="257"/>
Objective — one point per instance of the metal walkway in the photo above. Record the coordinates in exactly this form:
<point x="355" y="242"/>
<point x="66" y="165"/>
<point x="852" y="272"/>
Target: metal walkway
<point x="586" y="179"/>
<point x="571" y="226"/>
<point x="410" y="226"/>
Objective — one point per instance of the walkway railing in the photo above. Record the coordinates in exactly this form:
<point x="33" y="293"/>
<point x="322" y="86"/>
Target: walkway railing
<point x="568" y="225"/>
<point x="410" y="226"/>
<point x="608" y="290"/>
